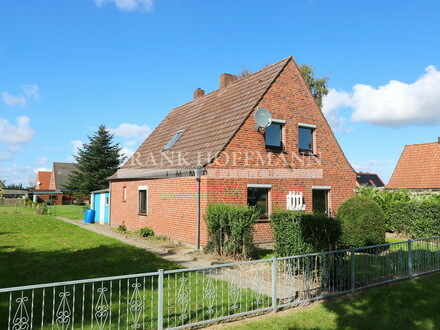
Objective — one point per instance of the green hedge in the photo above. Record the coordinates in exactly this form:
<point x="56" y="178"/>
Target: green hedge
<point x="230" y="229"/>
<point x="296" y="233"/>
<point x="362" y="222"/>
<point x="417" y="218"/>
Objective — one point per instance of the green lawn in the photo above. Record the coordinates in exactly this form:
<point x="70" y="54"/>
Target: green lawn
<point x="41" y="249"/>
<point x="73" y="212"/>
<point x="406" y="305"/>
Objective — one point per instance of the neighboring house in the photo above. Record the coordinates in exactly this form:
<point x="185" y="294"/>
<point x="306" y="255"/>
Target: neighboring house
<point x="209" y="150"/>
<point x="100" y="202"/>
<point x="369" y="179"/>
<point x="418" y="168"/>
<point x="49" y="186"/>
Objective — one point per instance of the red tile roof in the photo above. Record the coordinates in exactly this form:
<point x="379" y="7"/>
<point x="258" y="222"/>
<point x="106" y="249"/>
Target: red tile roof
<point x="209" y="122"/>
<point x="418" y="167"/>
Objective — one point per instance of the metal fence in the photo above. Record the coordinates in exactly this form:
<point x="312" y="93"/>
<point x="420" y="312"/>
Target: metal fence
<point x="195" y="296"/>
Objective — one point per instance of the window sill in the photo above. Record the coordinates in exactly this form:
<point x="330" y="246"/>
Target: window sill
<point x="307" y="153"/>
<point x="275" y="150"/>
<point x="143" y="214"/>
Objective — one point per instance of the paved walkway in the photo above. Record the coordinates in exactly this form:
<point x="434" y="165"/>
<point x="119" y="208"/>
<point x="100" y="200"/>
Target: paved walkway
<point x="178" y="253"/>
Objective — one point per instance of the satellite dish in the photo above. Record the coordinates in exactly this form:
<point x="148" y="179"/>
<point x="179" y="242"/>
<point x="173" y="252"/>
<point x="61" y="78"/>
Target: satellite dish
<point x="262" y="117"/>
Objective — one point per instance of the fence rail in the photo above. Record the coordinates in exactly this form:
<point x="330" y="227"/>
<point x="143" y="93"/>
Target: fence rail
<point x="195" y="296"/>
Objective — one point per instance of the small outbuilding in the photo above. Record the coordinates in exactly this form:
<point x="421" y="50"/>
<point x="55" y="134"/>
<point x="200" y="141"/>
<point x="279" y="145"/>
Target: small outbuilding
<point x="100" y="202"/>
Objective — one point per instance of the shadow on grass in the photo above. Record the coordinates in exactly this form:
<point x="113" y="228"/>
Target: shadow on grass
<point x="27" y="267"/>
<point x="412" y="304"/>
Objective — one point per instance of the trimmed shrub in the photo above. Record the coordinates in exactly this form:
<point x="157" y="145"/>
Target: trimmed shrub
<point x="296" y="233"/>
<point x="362" y="221"/>
<point x="145" y="232"/>
<point x="230" y="229"/>
<point x="385" y="199"/>
<point x="419" y="218"/>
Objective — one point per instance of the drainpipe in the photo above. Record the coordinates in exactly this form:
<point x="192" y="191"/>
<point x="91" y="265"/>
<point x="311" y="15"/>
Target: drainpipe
<point x="198" y="174"/>
<point x="109" y="202"/>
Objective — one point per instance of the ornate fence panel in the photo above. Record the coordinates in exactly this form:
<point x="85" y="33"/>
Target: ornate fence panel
<point x="196" y="296"/>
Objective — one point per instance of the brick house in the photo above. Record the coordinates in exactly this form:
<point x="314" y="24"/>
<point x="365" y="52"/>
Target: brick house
<point x="418" y="168"/>
<point x="369" y="179"/>
<point x="49" y="186"/>
<point x="210" y="150"/>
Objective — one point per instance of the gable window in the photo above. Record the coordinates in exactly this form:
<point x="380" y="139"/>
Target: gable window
<point x="143" y="200"/>
<point x="306" y="134"/>
<point x="258" y="195"/>
<point x="174" y="139"/>
<point x="273" y="135"/>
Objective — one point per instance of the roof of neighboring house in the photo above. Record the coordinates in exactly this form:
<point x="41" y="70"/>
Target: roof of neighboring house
<point x="43" y="180"/>
<point x="369" y="179"/>
<point x="418" y="167"/>
<point x="209" y="123"/>
<point x="61" y="172"/>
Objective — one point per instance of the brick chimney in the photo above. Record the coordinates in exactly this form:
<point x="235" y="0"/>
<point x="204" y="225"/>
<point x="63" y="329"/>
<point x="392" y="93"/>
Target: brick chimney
<point x="198" y="93"/>
<point x="226" y="78"/>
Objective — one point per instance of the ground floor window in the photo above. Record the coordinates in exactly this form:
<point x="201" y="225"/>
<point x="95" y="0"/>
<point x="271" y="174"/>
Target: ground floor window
<point x="143" y="200"/>
<point x="320" y="203"/>
<point x="259" y="196"/>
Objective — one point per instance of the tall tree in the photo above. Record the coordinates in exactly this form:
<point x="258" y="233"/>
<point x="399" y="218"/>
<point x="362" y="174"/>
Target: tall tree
<point x="96" y="161"/>
<point x="318" y="86"/>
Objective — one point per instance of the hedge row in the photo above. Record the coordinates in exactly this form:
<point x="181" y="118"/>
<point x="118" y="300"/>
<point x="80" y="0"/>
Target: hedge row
<point x="298" y="233"/>
<point x="416" y="218"/>
<point x="230" y="229"/>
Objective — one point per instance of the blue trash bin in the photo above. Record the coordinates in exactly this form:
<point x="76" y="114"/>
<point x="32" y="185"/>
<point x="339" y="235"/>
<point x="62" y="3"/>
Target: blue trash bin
<point x="89" y="216"/>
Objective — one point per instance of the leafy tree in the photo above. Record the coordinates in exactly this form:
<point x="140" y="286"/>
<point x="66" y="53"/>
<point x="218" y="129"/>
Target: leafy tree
<point x="318" y="86"/>
<point x="14" y="186"/>
<point x="96" y="161"/>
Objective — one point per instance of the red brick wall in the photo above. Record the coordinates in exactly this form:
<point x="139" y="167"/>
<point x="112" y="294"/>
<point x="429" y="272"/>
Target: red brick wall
<point x="172" y="202"/>
<point x="171" y="207"/>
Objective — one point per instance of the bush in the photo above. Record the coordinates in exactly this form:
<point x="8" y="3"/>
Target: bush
<point x="418" y="218"/>
<point x="230" y="229"/>
<point x="298" y="233"/>
<point x="362" y="221"/>
<point x="385" y="199"/>
<point x="146" y="232"/>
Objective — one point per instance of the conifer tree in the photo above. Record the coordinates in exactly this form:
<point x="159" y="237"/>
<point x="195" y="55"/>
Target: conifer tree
<point x="96" y="161"/>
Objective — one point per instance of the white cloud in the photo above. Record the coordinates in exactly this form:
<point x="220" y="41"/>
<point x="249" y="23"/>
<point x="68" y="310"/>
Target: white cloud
<point x="331" y="106"/>
<point x="42" y="169"/>
<point x="77" y="144"/>
<point x="42" y="160"/>
<point x="5" y="156"/>
<point x="16" y="134"/>
<point x="16" y="174"/>
<point x="394" y="104"/>
<point x="129" y="5"/>
<point x="132" y="131"/>
<point x="11" y="100"/>
<point x="31" y="91"/>
<point x="127" y="152"/>
<point x="15" y="148"/>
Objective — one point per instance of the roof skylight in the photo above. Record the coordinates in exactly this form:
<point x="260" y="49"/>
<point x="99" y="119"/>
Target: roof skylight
<point x="173" y="140"/>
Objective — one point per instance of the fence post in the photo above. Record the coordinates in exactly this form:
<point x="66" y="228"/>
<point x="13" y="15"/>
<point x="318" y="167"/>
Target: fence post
<point x="410" y="261"/>
<point x="274" y="284"/>
<point x="353" y="269"/>
<point x="160" y="300"/>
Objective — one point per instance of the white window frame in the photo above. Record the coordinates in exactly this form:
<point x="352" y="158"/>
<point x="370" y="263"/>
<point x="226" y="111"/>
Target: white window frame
<point x="143" y="188"/>
<point x="281" y="122"/>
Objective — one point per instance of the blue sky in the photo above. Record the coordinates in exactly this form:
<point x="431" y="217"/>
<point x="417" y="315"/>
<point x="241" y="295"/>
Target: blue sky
<point x="67" y="66"/>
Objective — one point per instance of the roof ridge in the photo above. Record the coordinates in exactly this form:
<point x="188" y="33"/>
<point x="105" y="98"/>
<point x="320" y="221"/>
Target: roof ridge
<point x="418" y="144"/>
